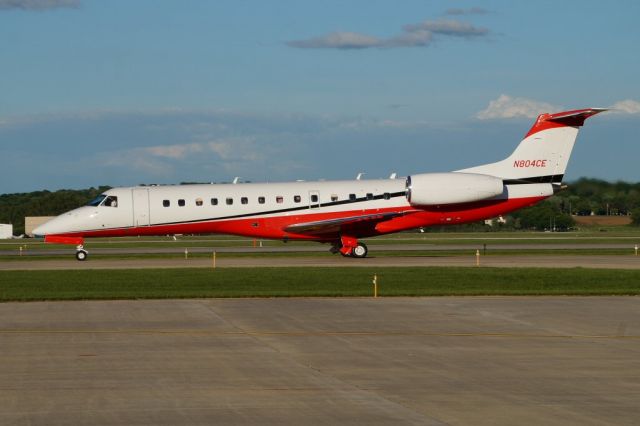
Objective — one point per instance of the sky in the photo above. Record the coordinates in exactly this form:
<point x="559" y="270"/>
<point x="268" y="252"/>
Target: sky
<point x="122" y="92"/>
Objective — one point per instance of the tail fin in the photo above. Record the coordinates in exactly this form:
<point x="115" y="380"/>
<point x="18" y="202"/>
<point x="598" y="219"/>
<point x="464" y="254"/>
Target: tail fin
<point x="543" y="154"/>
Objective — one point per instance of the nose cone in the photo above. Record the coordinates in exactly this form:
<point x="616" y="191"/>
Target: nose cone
<point x="58" y="225"/>
<point x="40" y="231"/>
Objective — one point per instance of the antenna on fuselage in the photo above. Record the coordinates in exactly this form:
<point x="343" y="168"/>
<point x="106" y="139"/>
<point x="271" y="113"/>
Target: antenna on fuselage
<point x="236" y="180"/>
<point x="393" y="175"/>
<point x="360" y="175"/>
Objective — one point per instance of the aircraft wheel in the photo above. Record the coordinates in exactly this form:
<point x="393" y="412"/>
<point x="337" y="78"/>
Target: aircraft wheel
<point x="360" y="251"/>
<point x="81" y="255"/>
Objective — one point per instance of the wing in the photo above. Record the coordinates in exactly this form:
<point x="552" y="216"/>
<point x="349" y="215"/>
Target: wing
<point x="344" y="225"/>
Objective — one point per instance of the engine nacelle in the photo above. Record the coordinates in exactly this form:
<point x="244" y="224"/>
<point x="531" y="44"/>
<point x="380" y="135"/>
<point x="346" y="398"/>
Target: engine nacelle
<point x="428" y="189"/>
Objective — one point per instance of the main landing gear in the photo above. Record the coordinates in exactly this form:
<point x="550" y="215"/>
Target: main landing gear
<point x="350" y="247"/>
<point x="81" y="253"/>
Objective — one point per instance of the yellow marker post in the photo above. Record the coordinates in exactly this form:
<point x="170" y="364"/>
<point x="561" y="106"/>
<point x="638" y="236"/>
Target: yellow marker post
<point x="375" y="285"/>
<point x="186" y="253"/>
<point x="477" y="257"/>
<point x="636" y="247"/>
<point x="214" y="260"/>
<point x="21" y="251"/>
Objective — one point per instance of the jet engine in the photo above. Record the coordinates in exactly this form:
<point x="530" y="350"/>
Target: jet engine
<point x="428" y="189"/>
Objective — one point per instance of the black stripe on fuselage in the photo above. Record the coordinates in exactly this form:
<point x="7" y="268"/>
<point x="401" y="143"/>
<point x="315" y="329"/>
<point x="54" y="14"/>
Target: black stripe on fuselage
<point x="536" y="179"/>
<point x="290" y="209"/>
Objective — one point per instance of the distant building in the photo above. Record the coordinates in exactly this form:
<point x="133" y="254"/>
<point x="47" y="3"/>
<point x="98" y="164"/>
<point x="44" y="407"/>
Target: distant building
<point x="6" y="230"/>
<point x="32" y="222"/>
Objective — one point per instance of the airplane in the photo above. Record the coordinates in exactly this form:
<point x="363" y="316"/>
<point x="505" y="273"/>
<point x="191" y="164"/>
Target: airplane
<point x="334" y="212"/>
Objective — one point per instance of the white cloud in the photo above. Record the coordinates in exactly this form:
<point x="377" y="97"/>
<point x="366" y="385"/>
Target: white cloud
<point x="509" y="107"/>
<point x="338" y="40"/>
<point x="413" y="35"/>
<point x="448" y="28"/>
<point x="172" y="151"/>
<point x="37" y="4"/>
<point x="628" y="106"/>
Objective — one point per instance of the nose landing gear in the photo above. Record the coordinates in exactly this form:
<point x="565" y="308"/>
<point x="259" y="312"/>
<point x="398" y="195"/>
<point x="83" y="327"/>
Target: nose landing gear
<point x="81" y="253"/>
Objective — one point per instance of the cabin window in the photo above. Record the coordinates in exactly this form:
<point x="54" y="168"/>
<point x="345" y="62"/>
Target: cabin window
<point x="261" y="200"/>
<point x="279" y="199"/>
<point x="314" y="198"/>
<point x="352" y="197"/>
<point x="214" y="201"/>
<point x="110" y="201"/>
<point x="96" y="201"/>
<point x="386" y="196"/>
<point x="334" y="197"/>
<point x="297" y="198"/>
<point x="369" y="196"/>
<point x="166" y="203"/>
<point x="244" y="200"/>
<point x="198" y="201"/>
<point x="229" y="201"/>
<point x="181" y="203"/>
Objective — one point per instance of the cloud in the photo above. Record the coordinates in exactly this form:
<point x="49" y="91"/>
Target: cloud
<point x="628" y="106"/>
<point x="455" y="11"/>
<point x="413" y="35"/>
<point x="338" y="40"/>
<point x="38" y="4"/>
<point x="448" y="28"/>
<point x="509" y="107"/>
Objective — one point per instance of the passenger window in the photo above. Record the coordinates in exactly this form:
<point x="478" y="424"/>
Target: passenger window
<point x="369" y="196"/>
<point x="214" y="201"/>
<point x="334" y="197"/>
<point x="386" y="196"/>
<point x="314" y="198"/>
<point x="198" y="201"/>
<point x="181" y="203"/>
<point x="111" y="201"/>
<point x="166" y="203"/>
<point x="261" y="200"/>
<point x="297" y="198"/>
<point x="352" y="197"/>
<point x="279" y="199"/>
<point x="244" y="200"/>
<point x="229" y="201"/>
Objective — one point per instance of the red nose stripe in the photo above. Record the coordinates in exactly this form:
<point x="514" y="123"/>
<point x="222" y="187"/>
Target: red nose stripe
<point x="56" y="239"/>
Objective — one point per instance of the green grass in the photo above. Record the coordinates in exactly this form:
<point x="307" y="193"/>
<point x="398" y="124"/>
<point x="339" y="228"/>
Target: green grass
<point x="311" y="282"/>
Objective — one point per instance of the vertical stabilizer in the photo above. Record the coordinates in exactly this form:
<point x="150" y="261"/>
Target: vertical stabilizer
<point x="544" y="153"/>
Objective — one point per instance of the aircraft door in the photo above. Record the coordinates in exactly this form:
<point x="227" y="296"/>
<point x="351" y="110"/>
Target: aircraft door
<point x="141" y="211"/>
<point x="314" y="199"/>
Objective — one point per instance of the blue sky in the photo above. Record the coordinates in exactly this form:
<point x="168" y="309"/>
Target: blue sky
<point x="127" y="92"/>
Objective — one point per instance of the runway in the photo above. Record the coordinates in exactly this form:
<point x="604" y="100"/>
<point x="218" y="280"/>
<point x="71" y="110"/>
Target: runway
<point x="502" y="261"/>
<point x="400" y="361"/>
<point x="37" y="251"/>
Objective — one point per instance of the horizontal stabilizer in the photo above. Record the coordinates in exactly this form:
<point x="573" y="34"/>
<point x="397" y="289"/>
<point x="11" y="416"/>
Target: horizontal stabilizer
<point x="573" y="118"/>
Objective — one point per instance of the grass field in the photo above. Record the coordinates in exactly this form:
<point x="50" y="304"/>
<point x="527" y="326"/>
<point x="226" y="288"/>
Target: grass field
<point x="311" y="282"/>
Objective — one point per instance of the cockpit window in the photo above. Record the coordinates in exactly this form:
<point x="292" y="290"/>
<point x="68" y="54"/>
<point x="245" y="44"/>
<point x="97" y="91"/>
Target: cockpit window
<point x="96" y="201"/>
<point x="111" y="201"/>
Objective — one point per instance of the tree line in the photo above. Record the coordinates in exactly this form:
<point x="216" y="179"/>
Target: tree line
<point x="15" y="207"/>
<point x="583" y="197"/>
